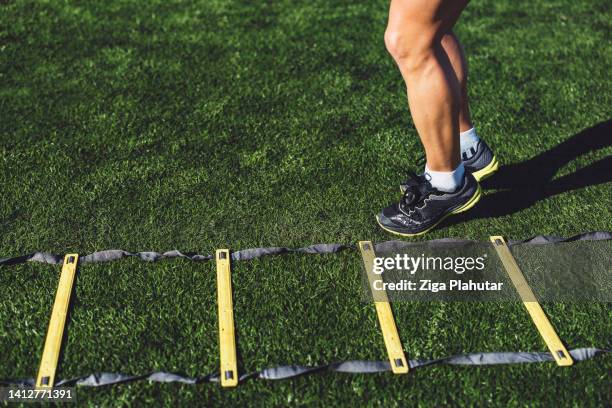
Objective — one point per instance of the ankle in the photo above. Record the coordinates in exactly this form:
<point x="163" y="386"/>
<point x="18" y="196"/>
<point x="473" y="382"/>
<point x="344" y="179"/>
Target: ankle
<point x="447" y="181"/>
<point x="468" y="140"/>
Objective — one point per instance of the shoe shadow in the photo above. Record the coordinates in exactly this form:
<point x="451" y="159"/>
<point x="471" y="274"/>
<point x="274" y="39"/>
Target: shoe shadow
<point x="521" y="185"/>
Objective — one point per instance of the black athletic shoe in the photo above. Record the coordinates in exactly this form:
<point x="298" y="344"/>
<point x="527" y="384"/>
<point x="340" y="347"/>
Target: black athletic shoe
<point x="480" y="161"/>
<point x="422" y="206"/>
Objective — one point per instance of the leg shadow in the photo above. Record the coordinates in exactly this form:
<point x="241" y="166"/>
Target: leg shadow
<point x="523" y="184"/>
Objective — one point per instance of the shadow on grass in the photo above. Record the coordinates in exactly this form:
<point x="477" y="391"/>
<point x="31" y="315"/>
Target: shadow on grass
<point x="523" y="184"/>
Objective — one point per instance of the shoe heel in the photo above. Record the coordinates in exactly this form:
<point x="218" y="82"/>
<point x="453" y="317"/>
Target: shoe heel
<point x="471" y="202"/>
<point x="487" y="171"/>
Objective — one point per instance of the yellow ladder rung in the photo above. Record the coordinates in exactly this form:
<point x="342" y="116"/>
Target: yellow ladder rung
<point x="227" y="339"/>
<point x="55" y="332"/>
<point x="546" y="329"/>
<point x="395" y="351"/>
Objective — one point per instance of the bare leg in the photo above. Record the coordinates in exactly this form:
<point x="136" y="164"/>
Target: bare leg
<point x="414" y="39"/>
<point x="454" y="51"/>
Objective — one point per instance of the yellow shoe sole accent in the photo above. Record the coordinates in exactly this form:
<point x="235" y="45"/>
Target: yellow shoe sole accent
<point x="471" y="202"/>
<point x="487" y="171"/>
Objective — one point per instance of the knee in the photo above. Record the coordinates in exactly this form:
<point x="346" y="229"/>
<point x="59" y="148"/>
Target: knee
<point x="397" y="43"/>
<point x="409" y="51"/>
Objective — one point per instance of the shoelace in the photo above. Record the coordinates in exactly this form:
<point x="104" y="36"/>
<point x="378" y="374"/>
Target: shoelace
<point x="418" y="188"/>
<point x="410" y="178"/>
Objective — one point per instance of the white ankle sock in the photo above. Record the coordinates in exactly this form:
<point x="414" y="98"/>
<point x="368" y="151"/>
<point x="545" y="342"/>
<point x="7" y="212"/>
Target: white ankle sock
<point x="447" y="181"/>
<point x="468" y="139"/>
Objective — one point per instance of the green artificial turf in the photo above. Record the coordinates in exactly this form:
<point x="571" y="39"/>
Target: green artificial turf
<point x="200" y="125"/>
